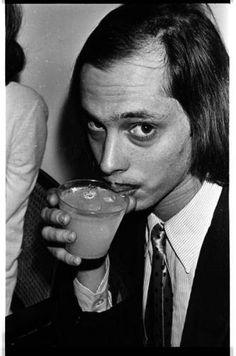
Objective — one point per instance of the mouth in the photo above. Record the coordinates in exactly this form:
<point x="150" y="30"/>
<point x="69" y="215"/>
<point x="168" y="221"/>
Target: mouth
<point x="126" y="189"/>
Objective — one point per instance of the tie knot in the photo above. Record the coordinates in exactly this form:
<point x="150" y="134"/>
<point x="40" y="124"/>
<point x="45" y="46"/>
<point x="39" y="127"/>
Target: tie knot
<point x="158" y="237"/>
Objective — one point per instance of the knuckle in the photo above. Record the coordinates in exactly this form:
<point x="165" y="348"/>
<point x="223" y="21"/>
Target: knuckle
<point x="61" y="255"/>
<point x="55" y="215"/>
<point x="50" y="233"/>
<point x="59" y="217"/>
<point x="69" y="258"/>
<point x="59" y="234"/>
<point x="45" y="231"/>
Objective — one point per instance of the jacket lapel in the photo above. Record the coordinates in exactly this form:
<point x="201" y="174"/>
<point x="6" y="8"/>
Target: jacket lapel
<point x="207" y="319"/>
<point x="127" y="254"/>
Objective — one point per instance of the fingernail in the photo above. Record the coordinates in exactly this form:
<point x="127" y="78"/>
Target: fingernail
<point x="62" y="219"/>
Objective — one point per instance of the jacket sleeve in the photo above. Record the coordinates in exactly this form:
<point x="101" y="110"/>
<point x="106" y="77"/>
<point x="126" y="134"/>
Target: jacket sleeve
<point x="120" y="326"/>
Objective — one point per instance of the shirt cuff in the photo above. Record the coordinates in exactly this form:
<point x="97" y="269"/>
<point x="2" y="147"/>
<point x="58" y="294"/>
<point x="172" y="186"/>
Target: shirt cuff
<point x="98" y="301"/>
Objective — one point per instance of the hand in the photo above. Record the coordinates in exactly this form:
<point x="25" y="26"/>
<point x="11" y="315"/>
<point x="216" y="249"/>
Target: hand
<point x="57" y="234"/>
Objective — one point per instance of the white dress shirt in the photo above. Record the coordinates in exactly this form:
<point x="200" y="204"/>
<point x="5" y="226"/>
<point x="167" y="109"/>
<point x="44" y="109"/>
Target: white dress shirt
<point x="185" y="235"/>
<point x="98" y="301"/>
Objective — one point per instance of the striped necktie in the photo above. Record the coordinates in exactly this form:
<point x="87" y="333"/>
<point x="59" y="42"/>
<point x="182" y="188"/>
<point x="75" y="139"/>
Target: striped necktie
<point x="158" y="317"/>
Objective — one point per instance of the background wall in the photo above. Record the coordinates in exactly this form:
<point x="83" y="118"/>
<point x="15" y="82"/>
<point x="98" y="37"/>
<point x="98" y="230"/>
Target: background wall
<point x="52" y="35"/>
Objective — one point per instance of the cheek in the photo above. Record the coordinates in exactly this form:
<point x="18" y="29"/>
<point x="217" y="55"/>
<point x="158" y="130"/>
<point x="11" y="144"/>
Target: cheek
<point x="167" y="162"/>
<point x="180" y="159"/>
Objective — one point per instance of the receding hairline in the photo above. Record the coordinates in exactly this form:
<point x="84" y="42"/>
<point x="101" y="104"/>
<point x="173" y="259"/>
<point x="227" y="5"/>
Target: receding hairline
<point x="153" y="52"/>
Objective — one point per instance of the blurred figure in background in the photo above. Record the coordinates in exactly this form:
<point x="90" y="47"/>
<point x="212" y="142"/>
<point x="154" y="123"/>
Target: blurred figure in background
<point x="26" y="133"/>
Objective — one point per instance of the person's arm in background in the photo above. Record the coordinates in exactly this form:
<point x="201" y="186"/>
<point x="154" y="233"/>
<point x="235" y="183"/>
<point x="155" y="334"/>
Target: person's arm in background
<point x="26" y="139"/>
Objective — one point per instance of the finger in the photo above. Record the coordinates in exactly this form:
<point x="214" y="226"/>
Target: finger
<point x="55" y="216"/>
<point x="52" y="196"/>
<point x="64" y="256"/>
<point x="53" y="234"/>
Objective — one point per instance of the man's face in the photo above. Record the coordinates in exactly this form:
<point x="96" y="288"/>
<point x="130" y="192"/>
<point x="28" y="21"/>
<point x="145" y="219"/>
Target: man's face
<point x="139" y="136"/>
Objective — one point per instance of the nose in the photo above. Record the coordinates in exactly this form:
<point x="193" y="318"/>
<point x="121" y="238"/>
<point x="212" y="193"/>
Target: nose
<point x="114" y="158"/>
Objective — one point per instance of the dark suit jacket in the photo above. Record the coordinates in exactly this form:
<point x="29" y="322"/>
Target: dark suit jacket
<point x="207" y="319"/>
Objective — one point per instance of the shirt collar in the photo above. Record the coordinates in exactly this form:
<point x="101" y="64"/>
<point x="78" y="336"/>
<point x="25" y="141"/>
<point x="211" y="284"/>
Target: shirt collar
<point x="187" y="229"/>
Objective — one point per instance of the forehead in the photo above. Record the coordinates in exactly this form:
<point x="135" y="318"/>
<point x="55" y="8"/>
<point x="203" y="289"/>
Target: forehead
<point x="136" y="71"/>
<point x="129" y="85"/>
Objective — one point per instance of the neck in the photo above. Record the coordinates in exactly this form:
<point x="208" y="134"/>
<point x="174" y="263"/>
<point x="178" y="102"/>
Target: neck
<point x="178" y="198"/>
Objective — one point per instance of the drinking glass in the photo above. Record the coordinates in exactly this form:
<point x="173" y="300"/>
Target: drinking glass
<point x="96" y="211"/>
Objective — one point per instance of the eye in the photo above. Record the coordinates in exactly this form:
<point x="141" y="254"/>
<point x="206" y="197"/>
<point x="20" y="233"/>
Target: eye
<point x="143" y="131"/>
<point x="95" y="126"/>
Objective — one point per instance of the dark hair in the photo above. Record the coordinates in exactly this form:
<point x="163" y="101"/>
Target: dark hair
<point x="15" y="57"/>
<point x="196" y="63"/>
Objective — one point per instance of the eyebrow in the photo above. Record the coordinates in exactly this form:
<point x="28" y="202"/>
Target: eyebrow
<point x="140" y="114"/>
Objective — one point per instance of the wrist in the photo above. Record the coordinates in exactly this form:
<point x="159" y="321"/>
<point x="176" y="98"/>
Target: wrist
<point x="91" y="278"/>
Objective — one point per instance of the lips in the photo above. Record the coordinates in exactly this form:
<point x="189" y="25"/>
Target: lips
<point x="123" y="188"/>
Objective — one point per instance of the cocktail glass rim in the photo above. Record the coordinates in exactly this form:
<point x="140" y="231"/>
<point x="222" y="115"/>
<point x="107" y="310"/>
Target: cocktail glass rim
<point x="103" y="184"/>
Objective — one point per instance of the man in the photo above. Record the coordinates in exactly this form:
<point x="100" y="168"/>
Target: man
<point x="151" y="82"/>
